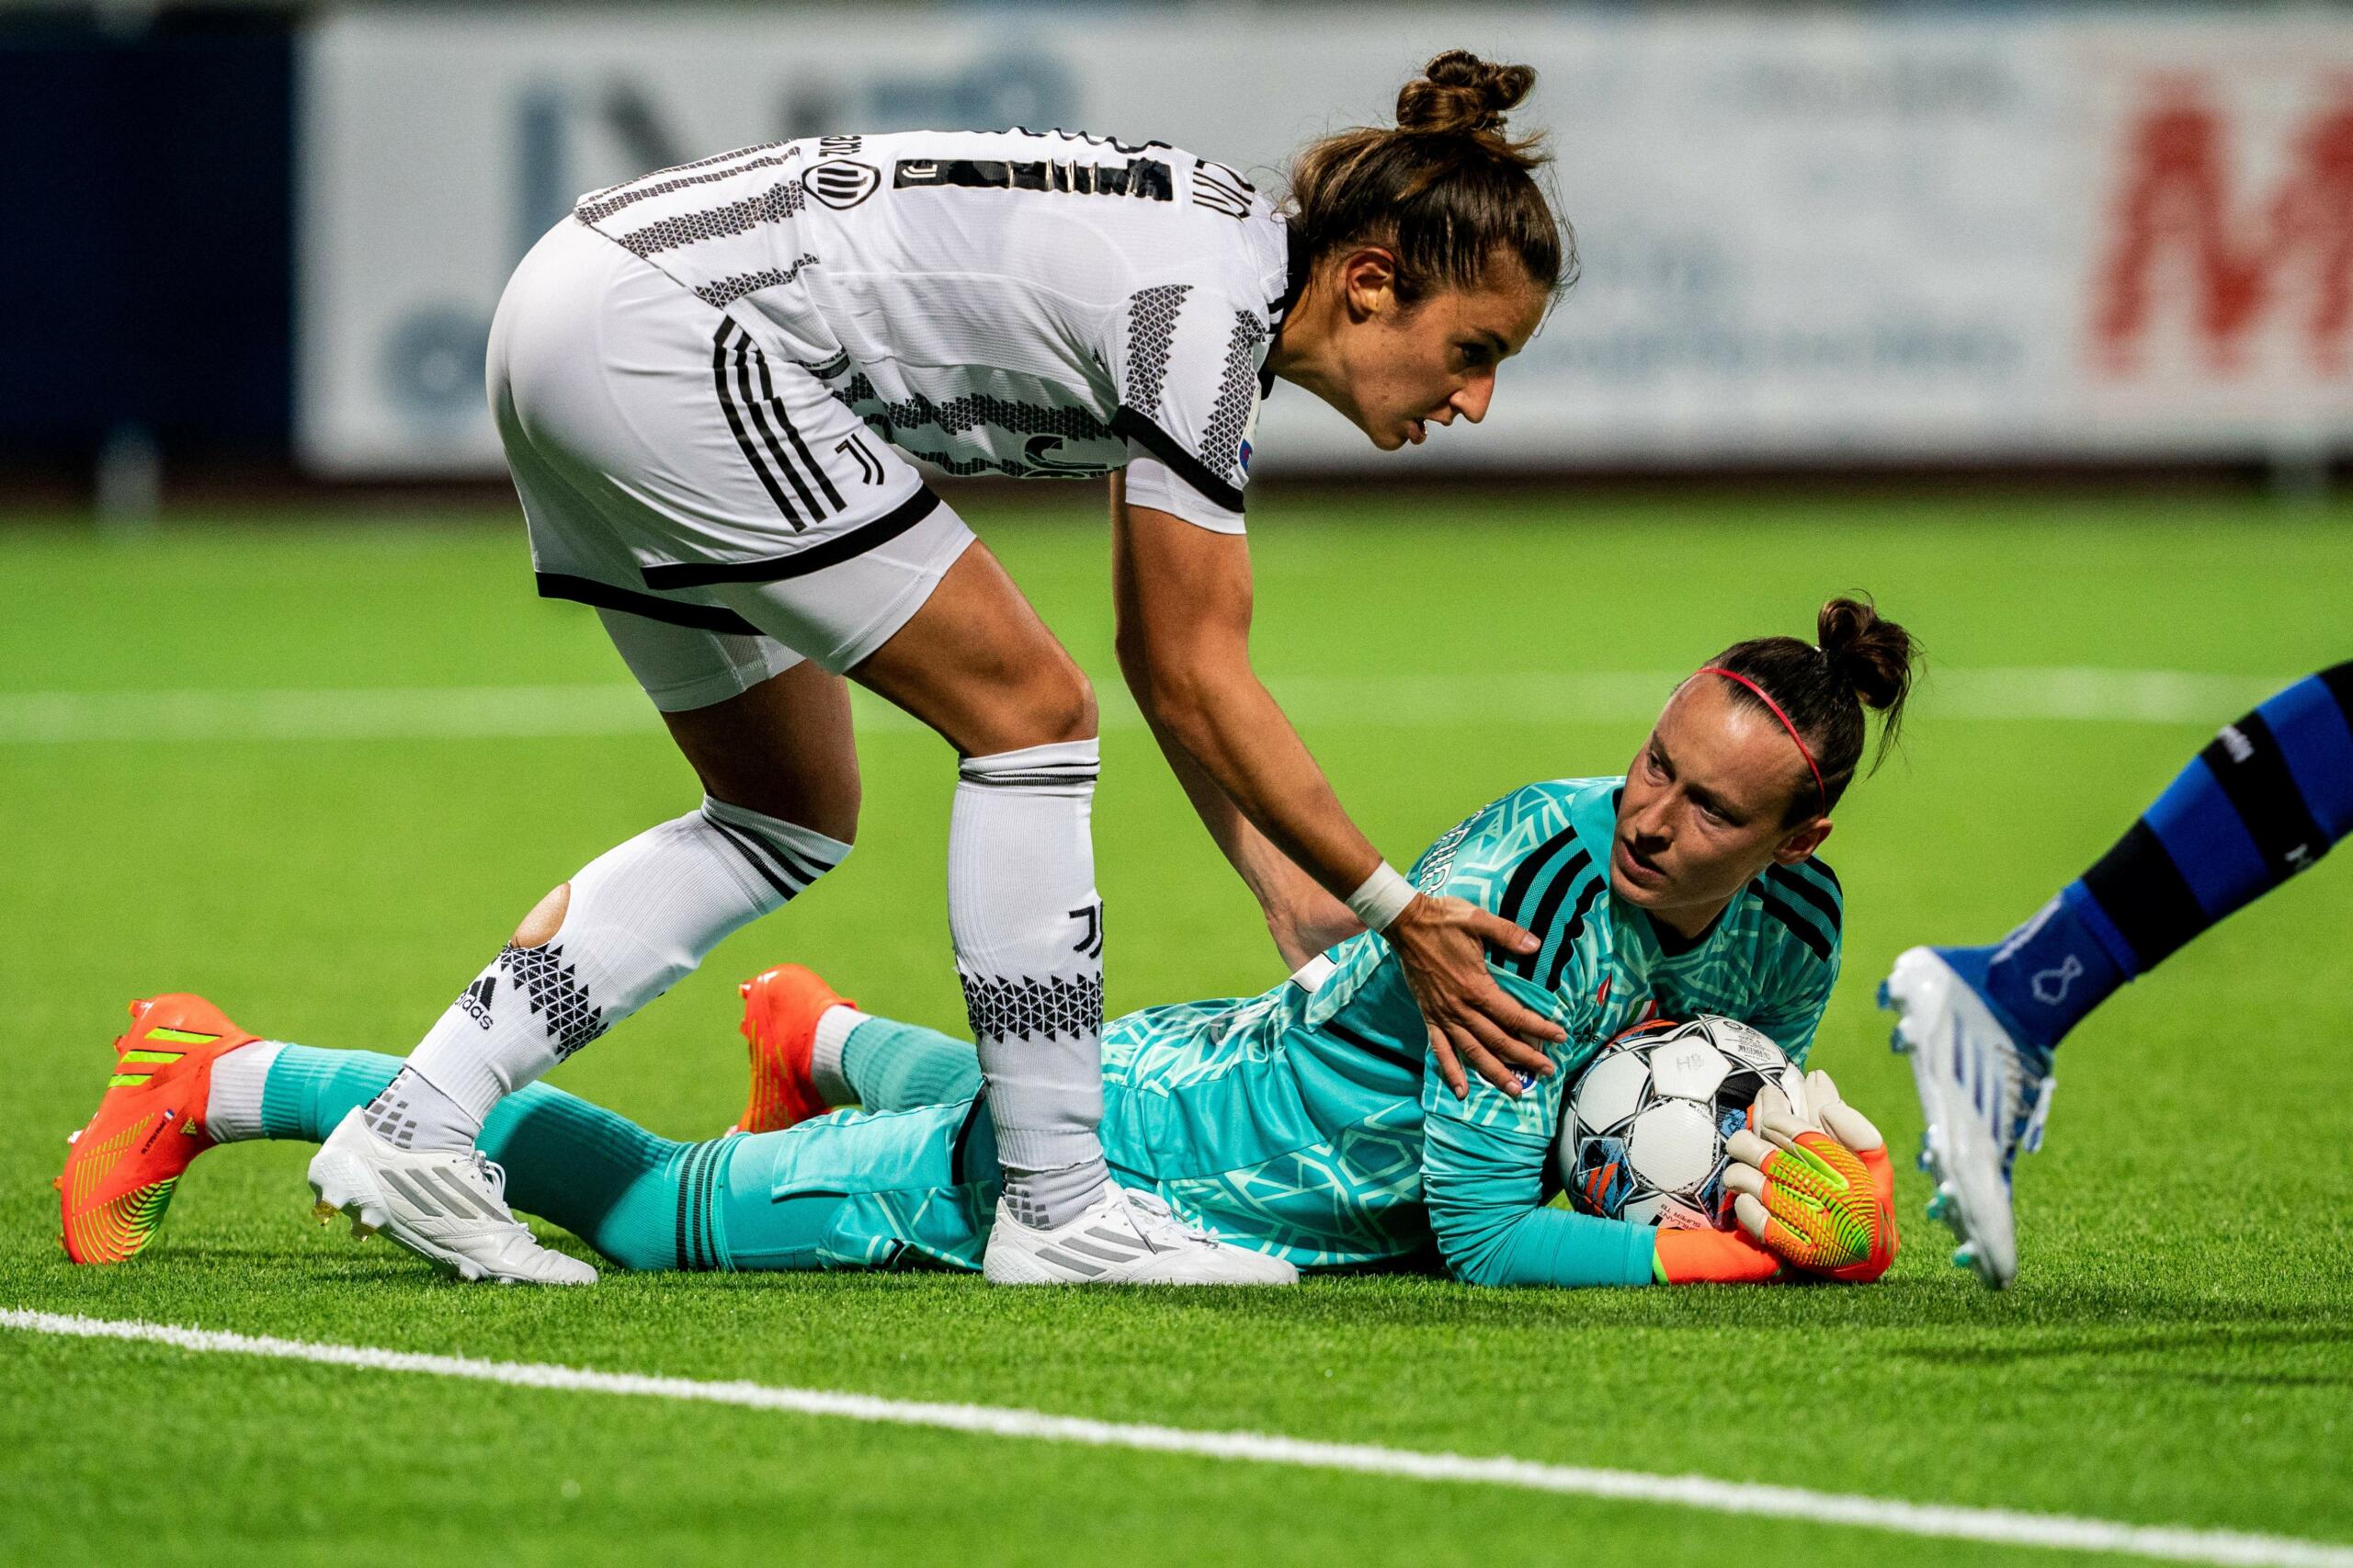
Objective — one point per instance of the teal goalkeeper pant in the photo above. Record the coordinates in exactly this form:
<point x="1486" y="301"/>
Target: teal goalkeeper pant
<point x="878" y="1188"/>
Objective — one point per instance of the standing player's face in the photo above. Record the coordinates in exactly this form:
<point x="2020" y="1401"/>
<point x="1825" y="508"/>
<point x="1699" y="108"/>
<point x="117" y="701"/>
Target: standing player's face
<point x="1404" y="367"/>
<point x="1705" y="807"/>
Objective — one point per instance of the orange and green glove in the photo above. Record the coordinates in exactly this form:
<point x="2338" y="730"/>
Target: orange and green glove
<point x="1813" y="1185"/>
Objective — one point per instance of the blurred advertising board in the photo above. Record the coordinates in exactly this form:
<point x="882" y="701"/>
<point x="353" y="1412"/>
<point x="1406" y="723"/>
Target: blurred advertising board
<point x="1814" y="239"/>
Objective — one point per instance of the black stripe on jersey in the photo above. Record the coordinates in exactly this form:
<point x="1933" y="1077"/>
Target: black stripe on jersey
<point x="1370" y="1046"/>
<point x="773" y="205"/>
<point x="605" y="203"/>
<point x="1147" y="179"/>
<point x="1165" y="446"/>
<point x="1588" y="896"/>
<point x="719" y="345"/>
<point x="1811" y="934"/>
<point x="1791" y="879"/>
<point x="1237" y="390"/>
<point x="1523" y="876"/>
<point x="752" y="404"/>
<point x="971" y="411"/>
<point x="776" y="406"/>
<point x="721" y="293"/>
<point x="2245" y="759"/>
<point x="1576" y="869"/>
<point x="801" y="563"/>
<point x="1221" y="189"/>
<point x="604" y="595"/>
<point x="681" y="168"/>
<point x="1152" y="329"/>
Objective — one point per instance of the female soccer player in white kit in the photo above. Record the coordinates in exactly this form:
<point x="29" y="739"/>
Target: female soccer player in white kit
<point x="709" y="381"/>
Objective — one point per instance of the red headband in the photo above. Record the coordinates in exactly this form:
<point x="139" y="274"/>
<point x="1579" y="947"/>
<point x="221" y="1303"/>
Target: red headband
<point x="1761" y="695"/>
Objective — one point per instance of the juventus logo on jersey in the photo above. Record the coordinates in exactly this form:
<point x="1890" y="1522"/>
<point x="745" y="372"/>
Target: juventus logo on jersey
<point x="842" y="183"/>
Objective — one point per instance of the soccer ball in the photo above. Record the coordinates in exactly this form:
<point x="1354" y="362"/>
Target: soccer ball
<point x="1643" y="1134"/>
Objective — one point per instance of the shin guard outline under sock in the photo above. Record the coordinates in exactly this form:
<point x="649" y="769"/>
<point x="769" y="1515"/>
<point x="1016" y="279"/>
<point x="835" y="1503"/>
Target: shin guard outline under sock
<point x="1028" y="932"/>
<point x="638" y="919"/>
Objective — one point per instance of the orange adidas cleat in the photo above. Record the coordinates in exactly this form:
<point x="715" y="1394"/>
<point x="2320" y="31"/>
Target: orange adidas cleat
<point x="121" y="1172"/>
<point x="782" y="1007"/>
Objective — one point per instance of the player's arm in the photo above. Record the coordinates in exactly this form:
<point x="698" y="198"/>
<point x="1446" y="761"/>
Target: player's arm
<point x="1302" y="918"/>
<point x="1484" y="1179"/>
<point x="1183" y="595"/>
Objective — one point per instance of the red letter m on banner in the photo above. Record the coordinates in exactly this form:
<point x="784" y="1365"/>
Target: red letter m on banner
<point x="2175" y="221"/>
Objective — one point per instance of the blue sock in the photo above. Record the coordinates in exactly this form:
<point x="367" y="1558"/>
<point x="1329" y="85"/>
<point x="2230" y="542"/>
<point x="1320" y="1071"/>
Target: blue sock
<point x="2262" y="801"/>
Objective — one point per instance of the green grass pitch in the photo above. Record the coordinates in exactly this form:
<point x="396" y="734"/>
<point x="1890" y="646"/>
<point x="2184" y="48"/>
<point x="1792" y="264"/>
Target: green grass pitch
<point x="2178" y="1351"/>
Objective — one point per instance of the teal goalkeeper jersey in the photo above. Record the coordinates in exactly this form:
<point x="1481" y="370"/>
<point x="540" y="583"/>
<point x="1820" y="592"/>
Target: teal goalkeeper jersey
<point x="1309" y="1122"/>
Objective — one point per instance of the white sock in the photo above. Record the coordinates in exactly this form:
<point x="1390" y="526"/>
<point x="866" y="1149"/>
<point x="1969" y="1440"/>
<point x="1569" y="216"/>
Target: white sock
<point x="1028" y="933"/>
<point x="639" y="919"/>
<point x="232" y="1102"/>
<point x="834" y="1025"/>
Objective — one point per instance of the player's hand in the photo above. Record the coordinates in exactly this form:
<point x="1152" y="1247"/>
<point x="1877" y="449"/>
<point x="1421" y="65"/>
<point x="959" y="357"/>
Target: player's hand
<point x="1443" y="944"/>
<point x="1805" y="1193"/>
<point x="1309" y="924"/>
<point x="1858" y="1132"/>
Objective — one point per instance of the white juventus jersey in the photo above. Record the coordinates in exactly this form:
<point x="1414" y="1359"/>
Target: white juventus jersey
<point x="1039" y="304"/>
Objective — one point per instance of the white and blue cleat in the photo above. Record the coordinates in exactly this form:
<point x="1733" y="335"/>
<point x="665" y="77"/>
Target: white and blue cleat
<point x="1984" y="1096"/>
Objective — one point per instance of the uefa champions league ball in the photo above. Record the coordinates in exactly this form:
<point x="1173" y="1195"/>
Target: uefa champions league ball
<point x="1641" y="1137"/>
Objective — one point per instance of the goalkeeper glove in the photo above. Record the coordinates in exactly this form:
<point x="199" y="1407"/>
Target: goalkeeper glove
<point x="1814" y="1186"/>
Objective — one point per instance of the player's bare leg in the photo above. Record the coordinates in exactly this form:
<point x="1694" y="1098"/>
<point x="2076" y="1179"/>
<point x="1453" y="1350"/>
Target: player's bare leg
<point x="781" y="777"/>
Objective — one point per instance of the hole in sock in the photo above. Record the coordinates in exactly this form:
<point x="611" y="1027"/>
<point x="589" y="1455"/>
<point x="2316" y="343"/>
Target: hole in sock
<point x="539" y="927"/>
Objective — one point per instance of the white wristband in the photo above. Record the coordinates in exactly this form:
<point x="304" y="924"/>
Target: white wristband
<point x="1382" y="898"/>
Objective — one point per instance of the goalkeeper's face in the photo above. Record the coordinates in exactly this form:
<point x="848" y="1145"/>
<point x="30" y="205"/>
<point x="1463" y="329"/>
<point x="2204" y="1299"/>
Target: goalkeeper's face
<point x="1706" y="807"/>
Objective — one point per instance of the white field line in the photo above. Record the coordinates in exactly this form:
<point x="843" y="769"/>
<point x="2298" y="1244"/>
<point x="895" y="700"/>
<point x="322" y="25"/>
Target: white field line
<point x="1998" y="1525"/>
<point x="462" y="712"/>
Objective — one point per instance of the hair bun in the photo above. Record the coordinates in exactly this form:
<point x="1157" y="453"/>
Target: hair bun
<point x="1458" y="93"/>
<point x="1867" y="651"/>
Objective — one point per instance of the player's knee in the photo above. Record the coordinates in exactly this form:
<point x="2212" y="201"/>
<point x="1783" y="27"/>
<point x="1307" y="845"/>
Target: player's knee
<point x="832" y="813"/>
<point x="1059" y="705"/>
<point x="539" y="927"/>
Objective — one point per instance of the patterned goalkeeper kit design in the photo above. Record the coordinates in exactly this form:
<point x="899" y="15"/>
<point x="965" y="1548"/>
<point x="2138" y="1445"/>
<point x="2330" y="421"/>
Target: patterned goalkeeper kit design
<point x="1305" y="1124"/>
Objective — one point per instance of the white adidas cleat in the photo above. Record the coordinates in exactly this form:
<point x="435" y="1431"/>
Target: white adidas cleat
<point x="447" y="1207"/>
<point x="1984" y="1097"/>
<point x="1125" y="1237"/>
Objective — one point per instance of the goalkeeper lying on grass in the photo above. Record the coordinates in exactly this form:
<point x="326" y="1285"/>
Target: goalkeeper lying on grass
<point x="1303" y="1125"/>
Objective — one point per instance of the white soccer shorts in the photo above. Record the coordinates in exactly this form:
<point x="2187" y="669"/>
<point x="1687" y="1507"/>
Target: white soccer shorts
<point x="723" y="513"/>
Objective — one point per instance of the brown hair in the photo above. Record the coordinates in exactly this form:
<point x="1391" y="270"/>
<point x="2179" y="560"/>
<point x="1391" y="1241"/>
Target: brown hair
<point x="1862" y="661"/>
<point x="1446" y="190"/>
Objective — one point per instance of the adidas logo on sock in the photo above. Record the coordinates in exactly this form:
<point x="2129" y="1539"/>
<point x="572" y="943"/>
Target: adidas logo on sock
<point x="475" y="999"/>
